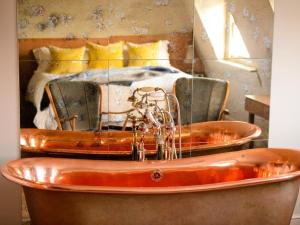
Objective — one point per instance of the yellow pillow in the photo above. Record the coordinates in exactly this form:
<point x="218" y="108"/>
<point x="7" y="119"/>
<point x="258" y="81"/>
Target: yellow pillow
<point x="66" y="60"/>
<point x="143" y="54"/>
<point x="103" y="57"/>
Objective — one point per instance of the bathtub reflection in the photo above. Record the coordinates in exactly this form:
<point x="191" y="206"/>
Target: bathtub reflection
<point x="197" y="139"/>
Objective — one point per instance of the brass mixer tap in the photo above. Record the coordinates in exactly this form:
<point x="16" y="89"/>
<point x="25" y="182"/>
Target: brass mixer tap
<point x="147" y="116"/>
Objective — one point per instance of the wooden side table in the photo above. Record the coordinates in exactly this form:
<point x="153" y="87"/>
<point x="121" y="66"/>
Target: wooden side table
<point x="257" y="105"/>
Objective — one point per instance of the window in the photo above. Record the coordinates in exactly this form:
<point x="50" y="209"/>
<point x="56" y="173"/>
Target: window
<point x="236" y="48"/>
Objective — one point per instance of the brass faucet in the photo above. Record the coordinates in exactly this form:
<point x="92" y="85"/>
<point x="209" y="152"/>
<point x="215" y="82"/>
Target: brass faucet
<point x="148" y="116"/>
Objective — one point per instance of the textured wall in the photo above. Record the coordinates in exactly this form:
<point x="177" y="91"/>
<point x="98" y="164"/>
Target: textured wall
<point x="255" y="21"/>
<point x="94" y="18"/>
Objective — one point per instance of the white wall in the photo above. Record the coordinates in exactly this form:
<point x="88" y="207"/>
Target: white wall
<point x="285" y="85"/>
<point x="10" y="206"/>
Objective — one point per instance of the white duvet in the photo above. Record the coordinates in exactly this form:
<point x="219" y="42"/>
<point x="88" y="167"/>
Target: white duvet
<point x="117" y="86"/>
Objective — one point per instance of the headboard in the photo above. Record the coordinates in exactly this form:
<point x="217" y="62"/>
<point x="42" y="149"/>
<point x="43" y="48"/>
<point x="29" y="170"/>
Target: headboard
<point x="179" y="43"/>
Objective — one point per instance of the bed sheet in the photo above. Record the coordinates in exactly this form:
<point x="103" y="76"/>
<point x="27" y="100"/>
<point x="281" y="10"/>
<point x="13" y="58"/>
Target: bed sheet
<point x="117" y="85"/>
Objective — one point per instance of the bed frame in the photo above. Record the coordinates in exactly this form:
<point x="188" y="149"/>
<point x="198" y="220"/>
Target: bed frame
<point x="179" y="43"/>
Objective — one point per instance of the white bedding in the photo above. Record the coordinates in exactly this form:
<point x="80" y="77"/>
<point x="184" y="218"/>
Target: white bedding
<point x="115" y="93"/>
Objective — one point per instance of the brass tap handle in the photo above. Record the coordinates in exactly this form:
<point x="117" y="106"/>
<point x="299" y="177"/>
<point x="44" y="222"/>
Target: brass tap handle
<point x="147" y="89"/>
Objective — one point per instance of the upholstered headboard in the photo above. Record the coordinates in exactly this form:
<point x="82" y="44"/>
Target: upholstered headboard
<point x="178" y="48"/>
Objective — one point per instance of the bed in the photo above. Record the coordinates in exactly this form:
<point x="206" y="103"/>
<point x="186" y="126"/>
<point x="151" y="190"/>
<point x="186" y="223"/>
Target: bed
<point x="180" y="66"/>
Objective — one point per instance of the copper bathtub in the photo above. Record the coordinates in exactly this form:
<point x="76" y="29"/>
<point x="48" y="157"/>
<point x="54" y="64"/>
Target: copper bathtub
<point x="251" y="187"/>
<point x="197" y="139"/>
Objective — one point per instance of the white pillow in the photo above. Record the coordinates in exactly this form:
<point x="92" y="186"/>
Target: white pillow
<point x="163" y="54"/>
<point x="43" y="58"/>
<point x="163" y="57"/>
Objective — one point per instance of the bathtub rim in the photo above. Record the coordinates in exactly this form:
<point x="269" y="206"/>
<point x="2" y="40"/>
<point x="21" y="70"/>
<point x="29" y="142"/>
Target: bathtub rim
<point x="185" y="150"/>
<point x="158" y="190"/>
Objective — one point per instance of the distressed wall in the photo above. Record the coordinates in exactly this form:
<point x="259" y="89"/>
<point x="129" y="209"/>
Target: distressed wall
<point x="94" y="18"/>
<point x="255" y="21"/>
